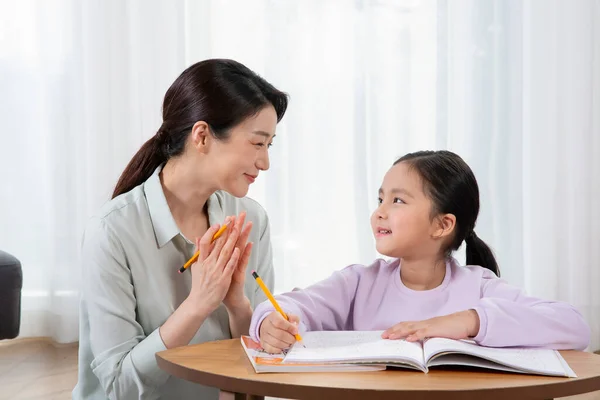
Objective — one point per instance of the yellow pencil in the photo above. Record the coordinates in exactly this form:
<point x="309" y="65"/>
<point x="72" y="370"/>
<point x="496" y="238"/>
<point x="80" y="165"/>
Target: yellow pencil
<point x="272" y="299"/>
<point x="195" y="256"/>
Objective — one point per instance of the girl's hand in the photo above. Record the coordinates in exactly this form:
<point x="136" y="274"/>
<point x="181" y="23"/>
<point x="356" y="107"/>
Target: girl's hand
<point x="460" y="325"/>
<point x="276" y="333"/>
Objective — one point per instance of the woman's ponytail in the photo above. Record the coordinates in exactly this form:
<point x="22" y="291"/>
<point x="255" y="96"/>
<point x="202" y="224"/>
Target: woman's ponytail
<point x="142" y="166"/>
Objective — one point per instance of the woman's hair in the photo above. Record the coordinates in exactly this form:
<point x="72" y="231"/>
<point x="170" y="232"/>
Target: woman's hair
<point x="220" y="92"/>
<point x="451" y="185"/>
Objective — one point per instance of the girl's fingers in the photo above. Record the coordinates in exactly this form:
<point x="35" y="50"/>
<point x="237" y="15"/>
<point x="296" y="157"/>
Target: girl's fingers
<point x="401" y="330"/>
<point x="269" y="349"/>
<point x="284" y="342"/>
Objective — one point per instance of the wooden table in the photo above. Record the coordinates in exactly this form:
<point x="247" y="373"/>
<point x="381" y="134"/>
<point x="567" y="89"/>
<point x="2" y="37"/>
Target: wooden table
<point x="224" y="364"/>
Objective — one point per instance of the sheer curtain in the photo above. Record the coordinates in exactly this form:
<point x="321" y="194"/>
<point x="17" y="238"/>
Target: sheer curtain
<point x="512" y="86"/>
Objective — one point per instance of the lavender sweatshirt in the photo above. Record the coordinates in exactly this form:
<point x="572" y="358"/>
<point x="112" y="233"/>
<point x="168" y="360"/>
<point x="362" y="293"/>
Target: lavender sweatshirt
<point x="365" y="298"/>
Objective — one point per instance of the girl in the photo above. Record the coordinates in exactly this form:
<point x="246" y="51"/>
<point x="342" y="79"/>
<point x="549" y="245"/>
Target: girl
<point x="219" y="119"/>
<point x="428" y="205"/>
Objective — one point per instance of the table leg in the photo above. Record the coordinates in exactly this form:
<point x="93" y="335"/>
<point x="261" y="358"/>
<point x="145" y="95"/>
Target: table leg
<point x="238" y="396"/>
<point x="242" y="396"/>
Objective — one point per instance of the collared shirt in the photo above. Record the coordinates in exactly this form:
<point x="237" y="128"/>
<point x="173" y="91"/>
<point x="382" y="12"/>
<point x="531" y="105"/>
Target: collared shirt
<point x="132" y="251"/>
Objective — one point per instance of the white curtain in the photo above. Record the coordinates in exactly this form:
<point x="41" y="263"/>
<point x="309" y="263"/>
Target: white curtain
<point x="512" y="86"/>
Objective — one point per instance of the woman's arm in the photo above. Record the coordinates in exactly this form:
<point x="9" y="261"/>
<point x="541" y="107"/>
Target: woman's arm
<point x="124" y="357"/>
<point x="211" y="281"/>
<point x="183" y="324"/>
<point x="239" y="319"/>
<point x="239" y="306"/>
<point x="123" y="354"/>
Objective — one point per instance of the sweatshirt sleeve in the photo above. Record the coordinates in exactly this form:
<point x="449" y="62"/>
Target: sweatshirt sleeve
<point x="325" y="305"/>
<point x="508" y="317"/>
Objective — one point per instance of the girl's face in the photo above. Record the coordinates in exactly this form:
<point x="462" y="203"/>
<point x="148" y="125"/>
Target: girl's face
<point x="403" y="224"/>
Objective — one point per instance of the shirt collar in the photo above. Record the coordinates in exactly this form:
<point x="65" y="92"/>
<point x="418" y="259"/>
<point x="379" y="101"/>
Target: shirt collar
<point x="165" y="228"/>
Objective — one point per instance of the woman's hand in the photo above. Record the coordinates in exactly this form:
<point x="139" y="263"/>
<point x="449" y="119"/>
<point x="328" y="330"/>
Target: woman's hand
<point x="211" y="278"/>
<point x="460" y="325"/>
<point x="235" y="297"/>
<point x="212" y="273"/>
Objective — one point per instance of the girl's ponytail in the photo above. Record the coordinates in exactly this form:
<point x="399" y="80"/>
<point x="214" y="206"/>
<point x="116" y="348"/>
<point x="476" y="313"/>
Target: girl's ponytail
<point x="479" y="253"/>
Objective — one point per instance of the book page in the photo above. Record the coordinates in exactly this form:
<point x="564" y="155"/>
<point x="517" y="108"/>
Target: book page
<point x="469" y="361"/>
<point x="540" y="361"/>
<point x="354" y="346"/>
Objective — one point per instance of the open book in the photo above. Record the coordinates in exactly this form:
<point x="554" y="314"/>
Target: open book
<point x="367" y="349"/>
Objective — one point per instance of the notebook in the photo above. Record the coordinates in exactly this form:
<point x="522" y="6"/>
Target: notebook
<point x="264" y="362"/>
<point x="366" y="349"/>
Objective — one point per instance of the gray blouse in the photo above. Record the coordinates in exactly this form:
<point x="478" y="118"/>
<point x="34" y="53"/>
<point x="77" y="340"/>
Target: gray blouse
<point x="132" y="250"/>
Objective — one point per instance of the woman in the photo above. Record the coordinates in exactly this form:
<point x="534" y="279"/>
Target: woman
<point x="219" y="119"/>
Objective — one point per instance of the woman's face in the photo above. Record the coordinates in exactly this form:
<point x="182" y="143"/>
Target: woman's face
<point x="238" y="160"/>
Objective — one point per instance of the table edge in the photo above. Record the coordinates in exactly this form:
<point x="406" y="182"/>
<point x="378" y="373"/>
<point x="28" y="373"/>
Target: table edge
<point x="562" y="388"/>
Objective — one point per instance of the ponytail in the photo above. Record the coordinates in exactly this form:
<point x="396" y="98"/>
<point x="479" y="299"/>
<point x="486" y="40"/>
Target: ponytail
<point x="143" y="164"/>
<point x="479" y="253"/>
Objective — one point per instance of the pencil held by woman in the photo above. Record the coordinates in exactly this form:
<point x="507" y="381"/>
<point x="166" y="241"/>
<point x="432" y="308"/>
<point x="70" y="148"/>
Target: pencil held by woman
<point x="197" y="254"/>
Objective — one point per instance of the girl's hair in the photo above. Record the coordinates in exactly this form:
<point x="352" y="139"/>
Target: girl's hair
<point x="451" y="185"/>
<point x="221" y="93"/>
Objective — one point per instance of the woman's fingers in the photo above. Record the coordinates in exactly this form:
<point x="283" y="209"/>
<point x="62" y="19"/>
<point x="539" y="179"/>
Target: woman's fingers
<point x="244" y="258"/>
<point x="239" y="221"/>
<point x="224" y="253"/>
<point x="221" y="250"/>
<point x="203" y="245"/>
<point x="244" y="235"/>
<point x="232" y="263"/>
<point x="219" y="244"/>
